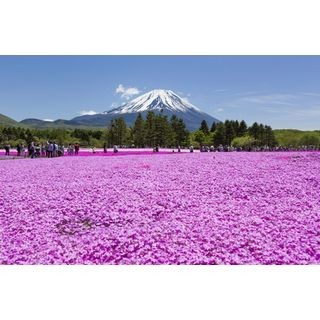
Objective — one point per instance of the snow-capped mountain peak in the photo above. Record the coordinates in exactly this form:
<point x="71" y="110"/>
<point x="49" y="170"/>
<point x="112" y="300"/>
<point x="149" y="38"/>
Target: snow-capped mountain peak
<point x="156" y="100"/>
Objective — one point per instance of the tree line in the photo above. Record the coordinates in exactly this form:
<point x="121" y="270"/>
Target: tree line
<point x="22" y="135"/>
<point x="159" y="130"/>
<point x="235" y="133"/>
<point x="155" y="130"/>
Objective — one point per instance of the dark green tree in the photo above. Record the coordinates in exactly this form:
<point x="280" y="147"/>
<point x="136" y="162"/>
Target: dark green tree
<point x="138" y="132"/>
<point x="229" y="132"/>
<point x="180" y="131"/>
<point x="199" y="137"/>
<point x="236" y="127"/>
<point x="150" y="128"/>
<point x="219" y="136"/>
<point x="29" y="136"/>
<point x="270" y="139"/>
<point x="214" y="126"/>
<point x="254" y="131"/>
<point x="117" y="132"/>
<point x="204" y="127"/>
<point x="243" y="128"/>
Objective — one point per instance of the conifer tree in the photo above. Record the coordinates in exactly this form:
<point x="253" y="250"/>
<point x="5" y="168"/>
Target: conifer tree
<point x="254" y="131"/>
<point x="204" y="127"/>
<point x="236" y="127"/>
<point x="117" y="132"/>
<point x="219" y="136"/>
<point x="229" y="132"/>
<point x="179" y="131"/>
<point x="243" y="128"/>
<point x="138" y="132"/>
<point x="213" y="127"/>
<point x="150" y="129"/>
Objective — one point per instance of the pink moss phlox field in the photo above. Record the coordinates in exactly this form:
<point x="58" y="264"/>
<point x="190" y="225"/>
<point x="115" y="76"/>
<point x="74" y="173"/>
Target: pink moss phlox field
<point x="209" y="208"/>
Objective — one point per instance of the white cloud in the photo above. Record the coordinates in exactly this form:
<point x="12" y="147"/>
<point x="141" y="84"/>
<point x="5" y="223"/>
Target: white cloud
<point x="218" y="110"/>
<point x="127" y="92"/>
<point x="88" y="112"/>
<point x="49" y="120"/>
<point x="185" y="100"/>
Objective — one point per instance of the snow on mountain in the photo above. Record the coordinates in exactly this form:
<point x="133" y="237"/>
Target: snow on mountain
<point x="165" y="102"/>
<point x="156" y="100"/>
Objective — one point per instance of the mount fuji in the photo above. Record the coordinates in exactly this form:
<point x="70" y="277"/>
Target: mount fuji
<point x="161" y="101"/>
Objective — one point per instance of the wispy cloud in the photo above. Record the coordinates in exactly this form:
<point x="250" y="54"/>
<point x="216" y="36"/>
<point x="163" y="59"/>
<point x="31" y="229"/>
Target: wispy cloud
<point x="280" y="99"/>
<point x="312" y="111"/>
<point x="88" y="112"/>
<point x="220" y="90"/>
<point x="312" y="94"/>
<point x="246" y="93"/>
<point x="128" y="92"/>
<point x="49" y="120"/>
<point x="294" y="105"/>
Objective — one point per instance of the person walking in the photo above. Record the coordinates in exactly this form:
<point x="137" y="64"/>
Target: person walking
<point x="37" y="151"/>
<point x="70" y="150"/>
<point x="50" y="149"/>
<point x="31" y="150"/>
<point x="55" y="149"/>
<point x="43" y="150"/>
<point x="19" y="150"/>
<point x="7" y="149"/>
<point x="76" y="148"/>
<point x="61" y="150"/>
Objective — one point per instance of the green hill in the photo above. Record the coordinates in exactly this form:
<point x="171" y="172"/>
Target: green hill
<point x="292" y="137"/>
<point x="6" y="121"/>
<point x="57" y="124"/>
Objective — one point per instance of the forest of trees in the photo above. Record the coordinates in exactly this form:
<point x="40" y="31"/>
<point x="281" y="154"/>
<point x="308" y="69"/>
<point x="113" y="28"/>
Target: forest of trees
<point x="235" y="133"/>
<point x="157" y="129"/>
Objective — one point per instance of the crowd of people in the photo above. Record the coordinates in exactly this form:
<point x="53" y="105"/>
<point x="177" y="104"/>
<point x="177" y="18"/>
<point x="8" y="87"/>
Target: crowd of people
<point x="51" y="149"/>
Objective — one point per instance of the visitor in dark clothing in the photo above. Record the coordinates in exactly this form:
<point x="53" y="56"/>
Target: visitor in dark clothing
<point x="7" y="149"/>
<point x="19" y="150"/>
<point x="76" y="148"/>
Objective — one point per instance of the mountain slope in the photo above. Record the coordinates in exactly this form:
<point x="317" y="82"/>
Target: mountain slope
<point x="164" y="101"/>
<point x="159" y="101"/>
<point x="6" y="121"/>
<point x="60" y="123"/>
<point x="156" y="100"/>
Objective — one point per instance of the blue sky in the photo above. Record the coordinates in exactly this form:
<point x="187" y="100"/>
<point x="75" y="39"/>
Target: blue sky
<point x="282" y="91"/>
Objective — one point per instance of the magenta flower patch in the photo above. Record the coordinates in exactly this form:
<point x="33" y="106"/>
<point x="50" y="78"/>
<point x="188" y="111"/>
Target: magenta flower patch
<point x="209" y="208"/>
